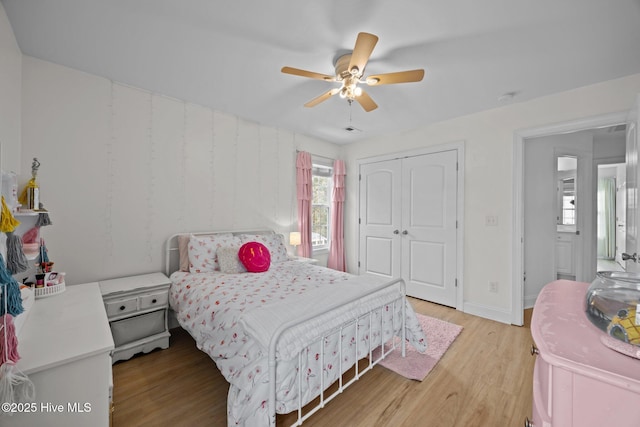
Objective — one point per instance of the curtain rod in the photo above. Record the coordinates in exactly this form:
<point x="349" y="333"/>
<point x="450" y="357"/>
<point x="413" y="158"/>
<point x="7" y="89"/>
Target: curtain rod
<point x="317" y="155"/>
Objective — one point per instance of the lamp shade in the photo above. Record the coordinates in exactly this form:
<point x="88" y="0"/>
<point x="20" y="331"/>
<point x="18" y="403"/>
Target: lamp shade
<point x="294" y="238"/>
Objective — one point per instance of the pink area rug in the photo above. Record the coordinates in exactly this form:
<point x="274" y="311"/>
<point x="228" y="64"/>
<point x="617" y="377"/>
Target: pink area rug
<point x="415" y="365"/>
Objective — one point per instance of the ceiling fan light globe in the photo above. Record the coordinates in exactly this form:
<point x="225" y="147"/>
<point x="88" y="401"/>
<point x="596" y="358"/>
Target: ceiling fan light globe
<point x="372" y="81"/>
<point x="357" y="91"/>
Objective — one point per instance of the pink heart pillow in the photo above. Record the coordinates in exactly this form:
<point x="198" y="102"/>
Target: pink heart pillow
<point x="255" y="257"/>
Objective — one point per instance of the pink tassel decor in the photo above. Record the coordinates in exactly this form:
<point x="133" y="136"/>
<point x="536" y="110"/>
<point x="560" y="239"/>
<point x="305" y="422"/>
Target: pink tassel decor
<point x="8" y="340"/>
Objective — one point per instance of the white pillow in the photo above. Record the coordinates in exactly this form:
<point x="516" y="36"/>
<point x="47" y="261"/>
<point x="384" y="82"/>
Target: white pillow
<point x="203" y="251"/>
<point x="273" y="242"/>
<point x="229" y="261"/>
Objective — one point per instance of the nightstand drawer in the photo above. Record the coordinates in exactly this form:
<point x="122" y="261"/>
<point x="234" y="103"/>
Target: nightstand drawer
<point x="134" y="328"/>
<point x="158" y="299"/>
<point x="121" y="306"/>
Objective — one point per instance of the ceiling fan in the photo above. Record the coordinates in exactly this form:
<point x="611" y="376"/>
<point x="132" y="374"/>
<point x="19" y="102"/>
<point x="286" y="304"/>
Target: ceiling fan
<point x="349" y="71"/>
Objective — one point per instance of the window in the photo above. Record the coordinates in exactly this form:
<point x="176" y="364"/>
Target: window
<point x="320" y="206"/>
<point x="568" y="210"/>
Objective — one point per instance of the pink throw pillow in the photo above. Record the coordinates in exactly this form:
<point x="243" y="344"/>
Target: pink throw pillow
<point x="255" y="257"/>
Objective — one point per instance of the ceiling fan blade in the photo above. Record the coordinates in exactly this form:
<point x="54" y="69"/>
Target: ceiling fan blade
<point x="392" y="78"/>
<point x="362" y="51"/>
<point x="305" y="73"/>
<point x="366" y="102"/>
<point x="323" y="97"/>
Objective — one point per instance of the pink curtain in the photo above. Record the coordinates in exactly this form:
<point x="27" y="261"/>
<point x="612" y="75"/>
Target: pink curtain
<point x="336" y="249"/>
<point x="304" y="185"/>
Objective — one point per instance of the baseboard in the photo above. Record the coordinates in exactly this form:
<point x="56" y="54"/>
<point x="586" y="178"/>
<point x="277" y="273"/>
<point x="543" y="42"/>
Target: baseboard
<point x="529" y="301"/>
<point x="491" y="313"/>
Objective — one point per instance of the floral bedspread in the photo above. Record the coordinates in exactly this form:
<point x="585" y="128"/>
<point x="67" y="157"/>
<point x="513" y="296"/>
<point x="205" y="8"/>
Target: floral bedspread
<point x="230" y="316"/>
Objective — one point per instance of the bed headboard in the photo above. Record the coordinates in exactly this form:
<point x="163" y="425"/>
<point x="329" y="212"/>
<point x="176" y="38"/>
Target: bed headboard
<point x="172" y="250"/>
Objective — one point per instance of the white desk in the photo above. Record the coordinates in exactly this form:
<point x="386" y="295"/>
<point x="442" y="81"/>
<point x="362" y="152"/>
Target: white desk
<point x="65" y="348"/>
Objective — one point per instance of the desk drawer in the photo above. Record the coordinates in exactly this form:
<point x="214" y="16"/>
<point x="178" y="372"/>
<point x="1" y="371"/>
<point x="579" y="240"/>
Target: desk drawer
<point x="137" y="327"/>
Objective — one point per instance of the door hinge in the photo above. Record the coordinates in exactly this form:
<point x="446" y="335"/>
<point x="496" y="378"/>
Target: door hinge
<point x="456" y="281"/>
<point x="456" y="224"/>
<point x="358" y="264"/>
<point x="456" y="166"/>
<point x="359" y="220"/>
<point x="359" y="177"/>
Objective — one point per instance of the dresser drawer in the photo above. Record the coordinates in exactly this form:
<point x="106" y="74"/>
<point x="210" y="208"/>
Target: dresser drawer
<point x="137" y="327"/>
<point x="158" y="299"/>
<point x="121" y="306"/>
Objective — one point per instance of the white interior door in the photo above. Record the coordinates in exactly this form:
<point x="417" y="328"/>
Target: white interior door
<point x="380" y="220"/>
<point x="621" y="213"/>
<point x="429" y="195"/>
<point x="632" y="220"/>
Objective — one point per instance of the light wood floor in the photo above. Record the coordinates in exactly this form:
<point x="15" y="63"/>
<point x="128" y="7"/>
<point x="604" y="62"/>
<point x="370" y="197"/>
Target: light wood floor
<point x="484" y="380"/>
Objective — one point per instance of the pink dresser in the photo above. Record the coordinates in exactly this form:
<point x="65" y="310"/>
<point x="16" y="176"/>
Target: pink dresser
<point x="577" y="380"/>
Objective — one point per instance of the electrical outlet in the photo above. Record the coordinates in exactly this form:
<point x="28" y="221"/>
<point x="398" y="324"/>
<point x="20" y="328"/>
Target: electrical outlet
<point x="493" y="287"/>
<point x="491" y="221"/>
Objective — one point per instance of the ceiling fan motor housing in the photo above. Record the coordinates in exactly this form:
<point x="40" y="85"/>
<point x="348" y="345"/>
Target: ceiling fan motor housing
<point x="342" y="68"/>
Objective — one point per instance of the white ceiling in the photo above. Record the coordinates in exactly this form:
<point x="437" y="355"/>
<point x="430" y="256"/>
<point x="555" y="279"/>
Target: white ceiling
<point x="228" y="54"/>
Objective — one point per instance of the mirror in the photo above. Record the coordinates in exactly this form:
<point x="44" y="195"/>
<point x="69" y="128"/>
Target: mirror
<point x="567" y="167"/>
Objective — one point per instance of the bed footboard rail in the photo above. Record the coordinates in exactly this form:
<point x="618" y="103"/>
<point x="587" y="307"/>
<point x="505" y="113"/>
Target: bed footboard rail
<point x="342" y="385"/>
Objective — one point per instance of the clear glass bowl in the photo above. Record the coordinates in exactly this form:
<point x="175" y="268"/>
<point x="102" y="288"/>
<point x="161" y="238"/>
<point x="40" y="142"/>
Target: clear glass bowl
<point x="613" y="305"/>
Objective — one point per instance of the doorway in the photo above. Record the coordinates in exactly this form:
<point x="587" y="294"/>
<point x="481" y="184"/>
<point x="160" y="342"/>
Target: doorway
<point x="520" y="137"/>
<point x="611" y="216"/>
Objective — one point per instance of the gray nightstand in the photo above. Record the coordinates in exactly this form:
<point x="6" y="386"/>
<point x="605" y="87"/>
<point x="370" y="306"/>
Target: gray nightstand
<point x="137" y="309"/>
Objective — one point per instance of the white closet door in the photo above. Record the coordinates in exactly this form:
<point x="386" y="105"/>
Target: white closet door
<point x="380" y="203"/>
<point x="429" y="202"/>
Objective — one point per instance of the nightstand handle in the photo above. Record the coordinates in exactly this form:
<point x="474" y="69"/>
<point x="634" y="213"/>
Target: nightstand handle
<point x="153" y="301"/>
<point x="122" y="307"/>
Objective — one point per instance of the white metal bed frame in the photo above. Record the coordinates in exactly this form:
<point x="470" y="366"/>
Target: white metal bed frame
<point x="171" y="265"/>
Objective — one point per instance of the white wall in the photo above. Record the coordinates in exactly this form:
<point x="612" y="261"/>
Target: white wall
<point x="10" y="102"/>
<point x="123" y="169"/>
<point x="489" y="139"/>
<point x="10" y="106"/>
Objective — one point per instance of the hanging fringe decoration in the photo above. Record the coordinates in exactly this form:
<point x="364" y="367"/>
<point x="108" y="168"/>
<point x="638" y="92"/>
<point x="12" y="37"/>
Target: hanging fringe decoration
<point x="8" y="340"/>
<point x="11" y="299"/>
<point x="7" y="222"/>
<point x="43" y="217"/>
<point x="31" y="236"/>
<point x="16" y="260"/>
<point x="15" y="386"/>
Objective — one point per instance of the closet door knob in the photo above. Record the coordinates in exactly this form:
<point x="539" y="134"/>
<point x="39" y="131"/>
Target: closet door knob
<point x="405" y="232"/>
<point x="528" y="423"/>
<point x="396" y="231"/>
